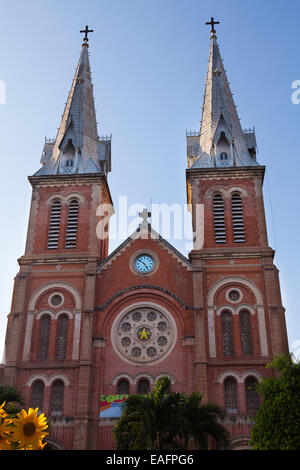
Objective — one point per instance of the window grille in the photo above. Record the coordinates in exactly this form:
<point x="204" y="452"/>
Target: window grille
<point x="57" y="398"/>
<point x="54" y="225"/>
<point x="230" y="395"/>
<point x="123" y="387"/>
<point x="37" y="395"/>
<point x="251" y="396"/>
<point x="246" y="339"/>
<point x="71" y="235"/>
<point x="237" y="218"/>
<point x="219" y="219"/>
<point x="227" y="333"/>
<point x="44" y="337"/>
<point x="143" y="387"/>
<point x="62" y="330"/>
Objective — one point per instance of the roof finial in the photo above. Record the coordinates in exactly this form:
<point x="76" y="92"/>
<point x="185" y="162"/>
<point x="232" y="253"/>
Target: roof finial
<point x="86" y="31"/>
<point x="212" y="23"/>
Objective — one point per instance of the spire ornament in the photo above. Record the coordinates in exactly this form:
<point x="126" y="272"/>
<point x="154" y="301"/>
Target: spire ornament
<point x="212" y="24"/>
<point x="86" y="31"/>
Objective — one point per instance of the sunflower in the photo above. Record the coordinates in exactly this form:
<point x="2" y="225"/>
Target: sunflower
<point x="3" y="413"/>
<point x="29" y="429"/>
<point x="5" y="429"/>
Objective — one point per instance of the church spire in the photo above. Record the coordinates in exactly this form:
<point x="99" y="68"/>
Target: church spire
<point x="77" y="147"/>
<point x="221" y="140"/>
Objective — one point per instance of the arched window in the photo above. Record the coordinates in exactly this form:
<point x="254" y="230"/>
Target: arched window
<point x="230" y="395"/>
<point x="45" y="324"/>
<point x="37" y="394"/>
<point x="123" y="387"/>
<point x="237" y="218"/>
<point x="223" y="156"/>
<point x="61" y="339"/>
<point x="71" y="233"/>
<point x="227" y="334"/>
<point x="54" y="225"/>
<point x="69" y="163"/>
<point x="246" y="337"/>
<point x="143" y="387"/>
<point x="219" y="219"/>
<point x="252" y="399"/>
<point x="57" y="398"/>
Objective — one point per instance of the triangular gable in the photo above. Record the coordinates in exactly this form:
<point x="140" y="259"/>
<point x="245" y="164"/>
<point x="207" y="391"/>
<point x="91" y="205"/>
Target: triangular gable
<point x="152" y="235"/>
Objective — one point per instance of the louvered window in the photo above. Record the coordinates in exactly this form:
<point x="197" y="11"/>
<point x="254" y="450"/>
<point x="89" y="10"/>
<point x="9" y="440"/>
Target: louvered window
<point x="237" y="218"/>
<point x="230" y="395"/>
<point x="57" y="398"/>
<point x="252" y="399"/>
<point x="226" y="318"/>
<point x="71" y="235"/>
<point x="123" y="387"/>
<point x="219" y="219"/>
<point x="44" y="337"/>
<point x="54" y="225"/>
<point x="61" y="343"/>
<point x="246" y="339"/>
<point x="37" y="395"/>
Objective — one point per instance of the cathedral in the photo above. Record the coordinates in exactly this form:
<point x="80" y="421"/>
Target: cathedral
<point x="88" y="327"/>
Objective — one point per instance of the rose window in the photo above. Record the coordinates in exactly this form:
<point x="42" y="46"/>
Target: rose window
<point x="143" y="335"/>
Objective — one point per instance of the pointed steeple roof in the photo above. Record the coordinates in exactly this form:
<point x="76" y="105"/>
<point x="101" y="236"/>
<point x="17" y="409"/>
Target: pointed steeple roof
<point x="79" y="118"/>
<point x="220" y="128"/>
<point x="77" y="147"/>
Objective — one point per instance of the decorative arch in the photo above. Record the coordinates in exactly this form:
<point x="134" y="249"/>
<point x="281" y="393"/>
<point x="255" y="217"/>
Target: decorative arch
<point x="48" y="380"/>
<point x="259" y="308"/>
<point x="55" y="285"/>
<point x="234" y="280"/>
<point x="121" y="376"/>
<point x="31" y="314"/>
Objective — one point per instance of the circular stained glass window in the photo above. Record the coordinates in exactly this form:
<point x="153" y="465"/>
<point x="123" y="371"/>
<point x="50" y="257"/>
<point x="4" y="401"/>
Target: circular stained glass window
<point x="143" y="335"/>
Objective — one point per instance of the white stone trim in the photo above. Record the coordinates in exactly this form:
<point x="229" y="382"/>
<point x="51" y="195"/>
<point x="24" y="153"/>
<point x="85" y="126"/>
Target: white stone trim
<point x="211" y="332"/>
<point x="262" y="331"/>
<point x="45" y="312"/>
<point x="225" y="307"/>
<point x="240" y="378"/>
<point x="121" y="376"/>
<point x="52" y="295"/>
<point x="229" y="373"/>
<point x="55" y="285"/>
<point x="76" y="337"/>
<point x="65" y="199"/>
<point x="245" y="307"/>
<point x="143" y="375"/>
<point x="234" y="280"/>
<point x="47" y="380"/>
<point x="234" y="301"/>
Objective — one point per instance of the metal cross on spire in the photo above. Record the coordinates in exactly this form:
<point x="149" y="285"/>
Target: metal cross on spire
<point x="212" y="23"/>
<point x="86" y="31"/>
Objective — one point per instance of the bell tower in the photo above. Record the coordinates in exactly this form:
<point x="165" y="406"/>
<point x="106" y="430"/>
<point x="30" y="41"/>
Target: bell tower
<point x="239" y="317"/>
<point x="50" y="324"/>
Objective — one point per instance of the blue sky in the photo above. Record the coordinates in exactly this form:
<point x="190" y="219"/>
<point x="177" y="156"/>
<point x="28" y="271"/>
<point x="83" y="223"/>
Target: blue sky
<point x="149" y="62"/>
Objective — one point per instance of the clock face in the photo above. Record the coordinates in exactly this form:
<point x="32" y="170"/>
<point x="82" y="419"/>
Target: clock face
<point x="144" y="263"/>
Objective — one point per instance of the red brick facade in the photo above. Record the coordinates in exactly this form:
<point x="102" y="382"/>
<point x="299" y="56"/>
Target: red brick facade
<point x="64" y="343"/>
